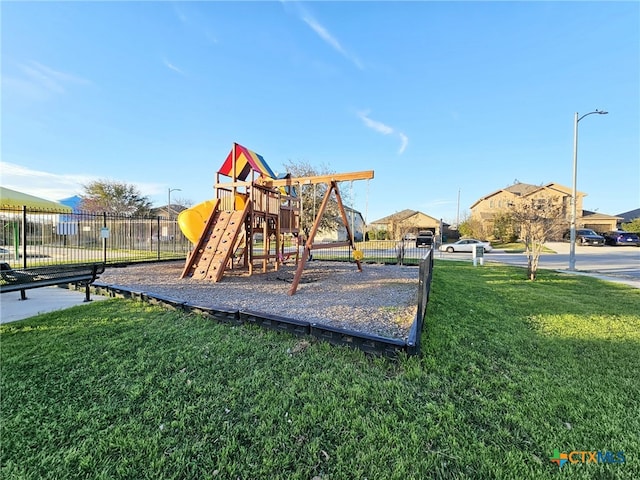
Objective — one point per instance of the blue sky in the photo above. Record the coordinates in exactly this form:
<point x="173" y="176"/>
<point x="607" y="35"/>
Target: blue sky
<point x="438" y="98"/>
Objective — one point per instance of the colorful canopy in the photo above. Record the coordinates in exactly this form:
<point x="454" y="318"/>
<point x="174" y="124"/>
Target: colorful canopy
<point x="13" y="199"/>
<point x="246" y="162"/>
<point x="287" y="189"/>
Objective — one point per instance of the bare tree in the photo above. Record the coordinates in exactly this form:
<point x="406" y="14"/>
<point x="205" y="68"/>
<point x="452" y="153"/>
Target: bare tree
<point x="312" y="196"/>
<point x="182" y="202"/>
<point x="538" y="220"/>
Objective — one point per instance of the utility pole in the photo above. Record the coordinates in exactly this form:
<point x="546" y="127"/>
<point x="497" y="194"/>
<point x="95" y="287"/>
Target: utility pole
<point x="458" y="212"/>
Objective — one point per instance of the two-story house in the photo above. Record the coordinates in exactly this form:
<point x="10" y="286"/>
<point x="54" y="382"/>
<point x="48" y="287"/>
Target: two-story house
<point x="497" y="202"/>
<point x="339" y="232"/>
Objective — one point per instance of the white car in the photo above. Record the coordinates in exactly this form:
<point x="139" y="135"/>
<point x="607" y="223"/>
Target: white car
<point x="465" y="245"/>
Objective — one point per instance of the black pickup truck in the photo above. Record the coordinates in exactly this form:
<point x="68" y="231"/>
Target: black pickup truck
<point x="424" y="238"/>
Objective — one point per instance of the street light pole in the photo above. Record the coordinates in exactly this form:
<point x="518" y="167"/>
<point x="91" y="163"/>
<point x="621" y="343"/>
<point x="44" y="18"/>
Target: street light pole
<point x="574" y="191"/>
<point x="169" y="199"/>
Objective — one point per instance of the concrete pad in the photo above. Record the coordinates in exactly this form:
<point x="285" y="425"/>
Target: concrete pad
<point x="40" y="300"/>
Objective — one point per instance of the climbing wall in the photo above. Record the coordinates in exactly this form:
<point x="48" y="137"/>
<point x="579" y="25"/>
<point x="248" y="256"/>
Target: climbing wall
<point x="208" y="259"/>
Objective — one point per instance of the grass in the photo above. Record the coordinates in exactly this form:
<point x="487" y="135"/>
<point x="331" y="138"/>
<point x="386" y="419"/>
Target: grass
<point x="513" y="247"/>
<point x="510" y="371"/>
<point x="516" y="247"/>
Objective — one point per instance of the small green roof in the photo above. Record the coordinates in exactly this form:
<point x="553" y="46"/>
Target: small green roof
<point x="12" y="199"/>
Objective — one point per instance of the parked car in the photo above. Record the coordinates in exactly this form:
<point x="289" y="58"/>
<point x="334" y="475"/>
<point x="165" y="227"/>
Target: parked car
<point x="409" y="236"/>
<point x="620" y="237"/>
<point x="424" y="238"/>
<point x="585" y="236"/>
<point x="465" y="245"/>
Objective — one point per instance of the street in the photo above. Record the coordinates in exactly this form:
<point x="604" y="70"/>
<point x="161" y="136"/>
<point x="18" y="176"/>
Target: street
<point x="608" y="260"/>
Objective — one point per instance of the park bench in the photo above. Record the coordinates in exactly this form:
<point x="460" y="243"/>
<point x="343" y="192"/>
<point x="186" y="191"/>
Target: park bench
<point x="21" y="279"/>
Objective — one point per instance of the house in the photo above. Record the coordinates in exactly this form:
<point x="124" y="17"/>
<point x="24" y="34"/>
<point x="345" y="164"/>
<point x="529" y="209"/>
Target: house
<point x="486" y="208"/>
<point x="598" y="222"/>
<point x="339" y="233"/>
<point x="406" y="222"/>
<point x="167" y="211"/>
<point x="627" y="217"/>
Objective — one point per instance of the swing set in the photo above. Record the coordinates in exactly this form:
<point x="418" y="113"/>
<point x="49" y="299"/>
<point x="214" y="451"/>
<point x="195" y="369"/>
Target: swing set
<point x="251" y="202"/>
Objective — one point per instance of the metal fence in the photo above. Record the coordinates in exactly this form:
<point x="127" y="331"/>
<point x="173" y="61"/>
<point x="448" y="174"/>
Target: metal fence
<point x="377" y="251"/>
<point x="30" y="238"/>
<point x="424" y="290"/>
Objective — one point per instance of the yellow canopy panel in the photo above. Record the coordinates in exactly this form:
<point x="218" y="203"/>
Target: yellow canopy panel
<point x="12" y="199"/>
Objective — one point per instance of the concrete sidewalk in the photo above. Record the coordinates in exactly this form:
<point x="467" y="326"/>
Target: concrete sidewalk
<point x="40" y="300"/>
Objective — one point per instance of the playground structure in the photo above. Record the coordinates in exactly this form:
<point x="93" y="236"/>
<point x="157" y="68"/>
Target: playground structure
<point x="255" y="201"/>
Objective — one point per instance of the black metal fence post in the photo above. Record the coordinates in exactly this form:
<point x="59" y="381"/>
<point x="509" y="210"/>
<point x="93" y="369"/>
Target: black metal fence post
<point x="158" y="227"/>
<point x="104" y="237"/>
<point x="24" y="236"/>
<point x="400" y="252"/>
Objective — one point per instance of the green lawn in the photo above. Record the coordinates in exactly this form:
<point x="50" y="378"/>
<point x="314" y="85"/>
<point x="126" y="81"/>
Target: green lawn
<point x="510" y="371"/>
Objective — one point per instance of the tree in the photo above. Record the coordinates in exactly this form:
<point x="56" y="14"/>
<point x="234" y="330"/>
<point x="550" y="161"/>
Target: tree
<point x="466" y="228"/>
<point x="380" y="234"/>
<point x="114" y="197"/>
<point x="312" y="196"/>
<point x="632" y="226"/>
<point x="395" y="231"/>
<point x="504" y="228"/>
<point x="538" y="219"/>
<point x="472" y="227"/>
<point x="182" y="202"/>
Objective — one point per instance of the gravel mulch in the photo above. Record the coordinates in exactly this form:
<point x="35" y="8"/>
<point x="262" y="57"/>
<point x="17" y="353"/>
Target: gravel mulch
<point x="380" y="300"/>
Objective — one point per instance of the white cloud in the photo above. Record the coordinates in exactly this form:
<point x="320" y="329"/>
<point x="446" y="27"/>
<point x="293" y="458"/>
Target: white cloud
<point x="375" y="125"/>
<point x="384" y="129"/>
<point x="39" y="81"/>
<point x="40" y="77"/>
<point x="325" y="35"/>
<point x="171" y="66"/>
<point x="193" y="21"/>
<point x="42" y="184"/>
<point x="53" y="77"/>
<point x="55" y="186"/>
<point x="404" y="141"/>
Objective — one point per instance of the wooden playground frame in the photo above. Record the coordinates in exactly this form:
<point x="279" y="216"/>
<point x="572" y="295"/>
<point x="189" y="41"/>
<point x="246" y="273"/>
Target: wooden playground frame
<point x="266" y="206"/>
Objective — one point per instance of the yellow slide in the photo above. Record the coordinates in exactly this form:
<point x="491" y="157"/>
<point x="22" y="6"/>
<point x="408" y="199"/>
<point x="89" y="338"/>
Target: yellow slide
<point x="193" y="220"/>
